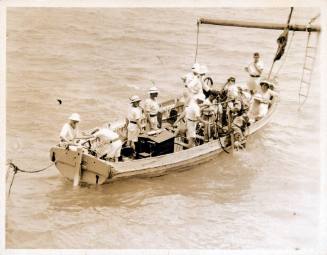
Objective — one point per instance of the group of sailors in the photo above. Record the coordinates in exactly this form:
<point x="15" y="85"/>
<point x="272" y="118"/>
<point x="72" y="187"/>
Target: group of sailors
<point x="218" y="112"/>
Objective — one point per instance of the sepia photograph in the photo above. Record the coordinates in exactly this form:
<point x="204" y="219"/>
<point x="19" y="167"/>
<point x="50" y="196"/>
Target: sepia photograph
<point x="164" y="128"/>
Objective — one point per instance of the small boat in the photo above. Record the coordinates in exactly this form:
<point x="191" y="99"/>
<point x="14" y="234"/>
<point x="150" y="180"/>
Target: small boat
<point x="76" y="163"/>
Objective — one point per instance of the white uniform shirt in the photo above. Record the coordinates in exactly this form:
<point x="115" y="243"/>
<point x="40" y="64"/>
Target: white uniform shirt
<point x="109" y="143"/>
<point x="151" y="106"/>
<point x="192" y="111"/>
<point x="134" y="114"/>
<point x="68" y="132"/>
<point x="255" y="69"/>
<point x="187" y="78"/>
<point x="106" y="135"/>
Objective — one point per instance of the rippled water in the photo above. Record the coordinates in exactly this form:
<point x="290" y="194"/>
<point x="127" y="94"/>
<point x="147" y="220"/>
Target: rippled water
<point x="94" y="59"/>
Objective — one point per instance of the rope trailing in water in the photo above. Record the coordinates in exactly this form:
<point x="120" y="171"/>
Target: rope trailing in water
<point x="197" y="40"/>
<point x="16" y="169"/>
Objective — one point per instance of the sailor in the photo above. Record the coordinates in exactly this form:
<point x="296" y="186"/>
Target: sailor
<point x="151" y="109"/>
<point x="239" y="125"/>
<point x="189" y="76"/>
<point x="69" y="131"/>
<point x="108" y="144"/>
<point x="133" y="121"/>
<point x="187" y="79"/>
<point x="230" y="88"/>
<point x="192" y="114"/>
<point x="264" y="97"/>
<point x="195" y="87"/>
<point x="210" y="110"/>
<point x="255" y="70"/>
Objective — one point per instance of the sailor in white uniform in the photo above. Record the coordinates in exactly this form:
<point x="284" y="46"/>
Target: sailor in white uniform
<point x="69" y="131"/>
<point x="192" y="115"/>
<point x="189" y="76"/>
<point x="255" y="70"/>
<point x="151" y="109"/>
<point x="133" y="121"/>
<point x="108" y="144"/>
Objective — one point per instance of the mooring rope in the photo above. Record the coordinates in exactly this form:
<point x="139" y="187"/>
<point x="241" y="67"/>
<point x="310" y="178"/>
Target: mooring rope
<point x="16" y="169"/>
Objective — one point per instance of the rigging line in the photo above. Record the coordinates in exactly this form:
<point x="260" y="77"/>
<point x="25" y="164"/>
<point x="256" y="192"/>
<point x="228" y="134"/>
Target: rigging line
<point x="314" y="18"/>
<point x="197" y="40"/>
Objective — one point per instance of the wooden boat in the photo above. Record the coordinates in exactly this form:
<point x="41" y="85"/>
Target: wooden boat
<point x="74" y="163"/>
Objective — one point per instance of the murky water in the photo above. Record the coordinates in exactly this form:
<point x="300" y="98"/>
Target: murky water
<point x="94" y="59"/>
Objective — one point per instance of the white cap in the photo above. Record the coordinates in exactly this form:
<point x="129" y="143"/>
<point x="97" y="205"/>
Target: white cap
<point x="153" y="90"/>
<point x="135" y="98"/>
<point x="75" y="117"/>
<point x="203" y="69"/>
<point x="196" y="68"/>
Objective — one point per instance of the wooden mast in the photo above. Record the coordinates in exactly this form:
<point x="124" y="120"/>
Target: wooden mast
<point x="249" y="24"/>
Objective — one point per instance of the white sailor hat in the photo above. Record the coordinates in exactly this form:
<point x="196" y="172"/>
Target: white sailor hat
<point x="153" y="90"/>
<point x="196" y="68"/>
<point x="135" y="98"/>
<point x="75" y="117"/>
<point x="203" y="69"/>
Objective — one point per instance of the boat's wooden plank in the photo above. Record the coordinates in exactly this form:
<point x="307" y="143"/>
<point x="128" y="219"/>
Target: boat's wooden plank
<point x="178" y="159"/>
<point x="96" y="166"/>
<point x="92" y="178"/>
<point x="65" y="156"/>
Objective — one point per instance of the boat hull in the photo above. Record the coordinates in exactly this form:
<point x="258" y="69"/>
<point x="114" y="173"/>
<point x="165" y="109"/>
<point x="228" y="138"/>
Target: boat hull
<point x="96" y="171"/>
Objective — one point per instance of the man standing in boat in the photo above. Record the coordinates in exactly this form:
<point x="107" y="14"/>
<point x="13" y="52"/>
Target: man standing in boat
<point x="189" y="76"/>
<point x="192" y="114"/>
<point x="255" y="70"/>
<point x="151" y="109"/>
<point x="133" y="121"/>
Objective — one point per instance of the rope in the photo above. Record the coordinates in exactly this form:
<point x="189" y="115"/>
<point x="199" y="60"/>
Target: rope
<point x="314" y="18"/>
<point x="16" y="169"/>
<point x="197" y="41"/>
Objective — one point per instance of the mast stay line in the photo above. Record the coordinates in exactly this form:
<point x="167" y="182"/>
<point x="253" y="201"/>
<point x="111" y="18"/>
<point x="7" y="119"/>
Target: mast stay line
<point x="248" y="24"/>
